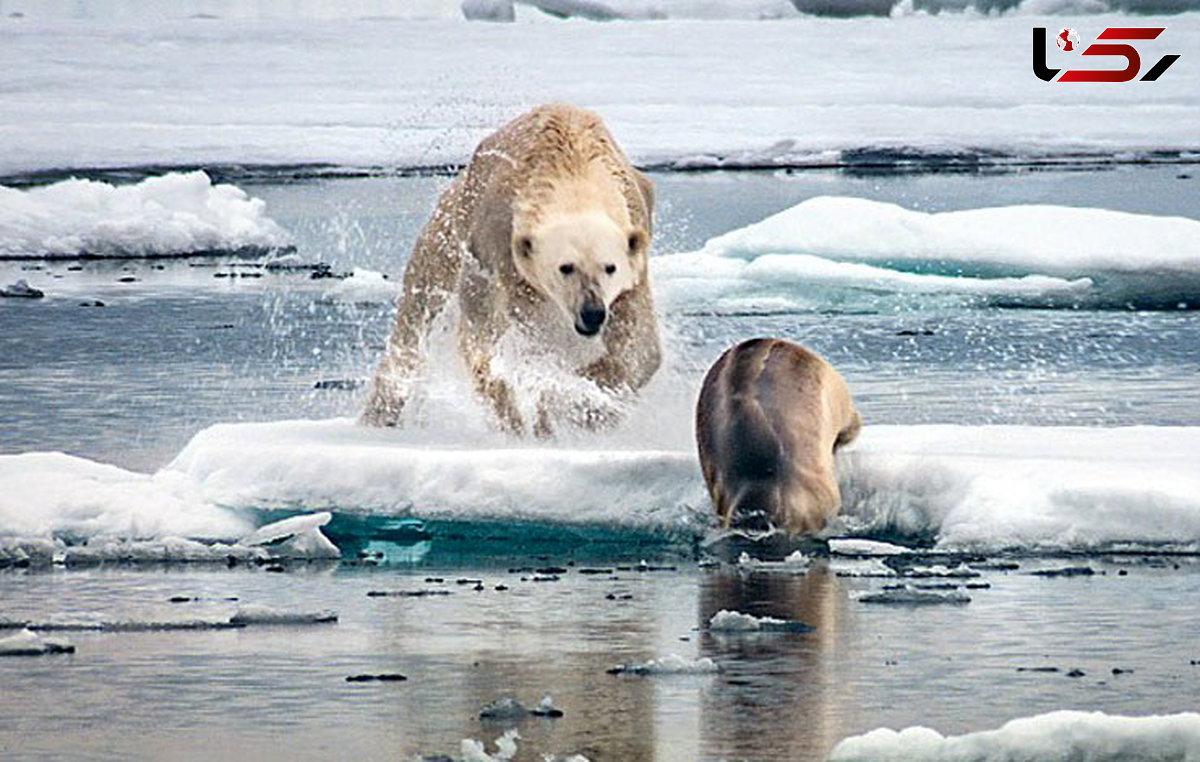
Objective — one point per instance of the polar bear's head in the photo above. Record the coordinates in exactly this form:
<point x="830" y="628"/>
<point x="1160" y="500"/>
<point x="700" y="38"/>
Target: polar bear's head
<point x="582" y="262"/>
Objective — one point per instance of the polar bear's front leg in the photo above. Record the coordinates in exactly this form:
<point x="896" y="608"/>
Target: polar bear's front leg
<point x="498" y="394"/>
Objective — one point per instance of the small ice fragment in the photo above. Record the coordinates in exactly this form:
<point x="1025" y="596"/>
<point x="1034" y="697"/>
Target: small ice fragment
<point x="860" y="548"/>
<point x="795" y="563"/>
<point x="546" y="708"/>
<point x="910" y="596"/>
<point x="962" y="571"/>
<point x="21" y="290"/>
<point x="725" y="621"/>
<point x="264" y="615"/>
<point x="29" y="643"/>
<point x="671" y="664"/>
<point x="295" y="537"/>
<point x="504" y="709"/>
<point x="506" y="748"/>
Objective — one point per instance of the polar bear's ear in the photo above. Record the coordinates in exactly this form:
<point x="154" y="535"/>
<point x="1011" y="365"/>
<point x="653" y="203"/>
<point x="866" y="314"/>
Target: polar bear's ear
<point x="638" y="240"/>
<point x="523" y="245"/>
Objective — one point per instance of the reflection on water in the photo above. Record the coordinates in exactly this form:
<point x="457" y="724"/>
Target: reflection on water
<point x="279" y="693"/>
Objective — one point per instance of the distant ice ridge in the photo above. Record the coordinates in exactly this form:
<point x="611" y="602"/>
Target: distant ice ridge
<point x="426" y="92"/>
<point x="1094" y="736"/>
<point x="1020" y="255"/>
<point x="175" y="214"/>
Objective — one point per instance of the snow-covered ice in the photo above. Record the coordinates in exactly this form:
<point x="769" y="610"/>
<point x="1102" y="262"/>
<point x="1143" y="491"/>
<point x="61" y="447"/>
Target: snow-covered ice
<point x="28" y="643"/>
<point x="21" y="290"/>
<point x="974" y="488"/>
<point x="671" y="664"/>
<point x="1093" y="736"/>
<point x="865" y="548"/>
<point x="794" y="563"/>
<point x="725" y="622"/>
<point x="175" y="214"/>
<point x="377" y="92"/>
<point x="1036" y="255"/>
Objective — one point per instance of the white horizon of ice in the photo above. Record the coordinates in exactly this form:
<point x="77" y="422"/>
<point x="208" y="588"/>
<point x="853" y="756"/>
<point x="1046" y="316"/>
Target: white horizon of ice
<point x="369" y="92"/>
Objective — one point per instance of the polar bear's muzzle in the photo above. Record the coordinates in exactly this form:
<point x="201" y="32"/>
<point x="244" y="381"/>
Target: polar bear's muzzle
<point x="590" y="318"/>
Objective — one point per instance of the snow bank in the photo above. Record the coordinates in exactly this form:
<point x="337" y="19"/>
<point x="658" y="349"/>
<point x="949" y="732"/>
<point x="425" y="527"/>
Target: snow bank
<point x="1032" y="255"/>
<point x="1093" y="736"/>
<point x="172" y="215"/>
<point x="369" y="92"/>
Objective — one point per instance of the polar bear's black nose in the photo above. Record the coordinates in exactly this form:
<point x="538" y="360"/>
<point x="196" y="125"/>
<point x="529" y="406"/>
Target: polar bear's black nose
<point x="591" y="319"/>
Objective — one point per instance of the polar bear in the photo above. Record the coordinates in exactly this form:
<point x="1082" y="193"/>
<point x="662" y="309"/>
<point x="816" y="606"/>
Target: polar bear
<point x="545" y="235"/>
<point x="769" y="418"/>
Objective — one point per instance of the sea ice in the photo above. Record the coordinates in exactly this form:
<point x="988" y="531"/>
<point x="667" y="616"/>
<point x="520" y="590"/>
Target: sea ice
<point x="362" y="287"/>
<point x="1094" y="736"/>
<point x="726" y="622"/>
<point x="907" y="595"/>
<point x="176" y="214"/>
<point x="671" y="664"/>
<point x="29" y="643"/>
<point x="265" y="615"/>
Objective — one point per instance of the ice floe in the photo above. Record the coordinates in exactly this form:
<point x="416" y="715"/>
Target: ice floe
<point x="1093" y="736"/>
<point x="955" y="488"/>
<point x="29" y="643"/>
<point x="362" y="287"/>
<point x="726" y="622"/>
<point x="671" y="664"/>
<point x="826" y="247"/>
<point x="176" y="214"/>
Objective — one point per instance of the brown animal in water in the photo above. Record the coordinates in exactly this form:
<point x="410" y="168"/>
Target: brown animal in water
<point x="770" y="416"/>
<point x="544" y="236"/>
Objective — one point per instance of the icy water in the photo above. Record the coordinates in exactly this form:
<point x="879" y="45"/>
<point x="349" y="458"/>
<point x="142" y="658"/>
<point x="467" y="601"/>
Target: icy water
<point x="179" y="349"/>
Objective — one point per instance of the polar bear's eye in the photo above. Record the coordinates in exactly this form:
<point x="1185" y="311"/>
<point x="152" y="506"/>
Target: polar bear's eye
<point x="610" y="269"/>
<point x="566" y="269"/>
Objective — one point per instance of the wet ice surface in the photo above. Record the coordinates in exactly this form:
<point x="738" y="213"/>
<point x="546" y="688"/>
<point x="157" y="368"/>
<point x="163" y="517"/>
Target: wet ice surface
<point x="281" y="691"/>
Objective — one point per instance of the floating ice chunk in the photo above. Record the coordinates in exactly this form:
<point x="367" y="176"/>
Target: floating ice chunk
<point x="726" y="621"/>
<point x="504" y="709"/>
<point x="907" y="595"/>
<point x="296" y="537"/>
<point x="1041" y="255"/>
<point x="671" y="664"/>
<point x="506" y="748"/>
<point x="546" y="708"/>
<point x="1094" y="736"/>
<point x="177" y="214"/>
<point x="795" y="563"/>
<point x="363" y="287"/>
<point x="29" y="643"/>
<point x="962" y="571"/>
<point x="21" y="290"/>
<point x="865" y="548"/>
<point x="870" y="567"/>
<point x="265" y="615"/>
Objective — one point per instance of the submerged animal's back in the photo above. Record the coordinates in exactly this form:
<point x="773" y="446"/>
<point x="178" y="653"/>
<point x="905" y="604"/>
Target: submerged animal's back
<point x="761" y="425"/>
